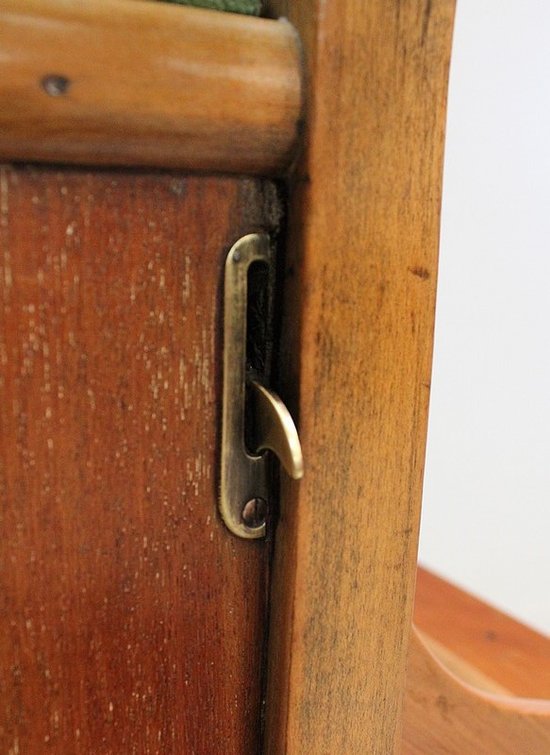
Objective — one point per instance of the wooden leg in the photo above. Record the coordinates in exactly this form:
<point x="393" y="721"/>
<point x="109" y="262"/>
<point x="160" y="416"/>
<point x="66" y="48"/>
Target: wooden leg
<point x="356" y="362"/>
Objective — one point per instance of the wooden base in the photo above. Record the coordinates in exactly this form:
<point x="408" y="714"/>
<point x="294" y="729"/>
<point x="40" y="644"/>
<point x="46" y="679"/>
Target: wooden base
<point x="510" y="655"/>
<point x="452" y="705"/>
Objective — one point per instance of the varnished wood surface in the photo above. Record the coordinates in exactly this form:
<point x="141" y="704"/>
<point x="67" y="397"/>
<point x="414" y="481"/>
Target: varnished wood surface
<point x="508" y="652"/>
<point x="147" y="83"/>
<point x="444" y="715"/>
<point x="358" y="326"/>
<point x="131" y="621"/>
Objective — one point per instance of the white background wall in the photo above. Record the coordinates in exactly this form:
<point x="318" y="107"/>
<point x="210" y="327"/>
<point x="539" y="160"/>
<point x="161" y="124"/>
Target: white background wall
<point x="486" y="514"/>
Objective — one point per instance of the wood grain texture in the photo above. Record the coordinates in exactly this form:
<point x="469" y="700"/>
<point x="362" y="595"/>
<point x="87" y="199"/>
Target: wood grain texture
<point x="504" y="650"/>
<point x="147" y="84"/>
<point x="444" y="715"/>
<point x="131" y="620"/>
<point x="358" y="327"/>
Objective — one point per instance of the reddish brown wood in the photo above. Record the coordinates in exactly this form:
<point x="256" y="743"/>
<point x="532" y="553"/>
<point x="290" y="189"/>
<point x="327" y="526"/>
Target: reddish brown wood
<point x="131" y="620"/>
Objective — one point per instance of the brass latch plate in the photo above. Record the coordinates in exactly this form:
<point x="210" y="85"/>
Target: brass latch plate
<point x="244" y="478"/>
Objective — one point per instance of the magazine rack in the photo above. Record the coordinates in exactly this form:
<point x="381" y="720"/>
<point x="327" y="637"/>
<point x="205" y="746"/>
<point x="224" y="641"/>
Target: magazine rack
<point x="140" y="141"/>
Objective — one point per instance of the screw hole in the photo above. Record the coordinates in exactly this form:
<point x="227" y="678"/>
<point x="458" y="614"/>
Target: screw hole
<point x="55" y="85"/>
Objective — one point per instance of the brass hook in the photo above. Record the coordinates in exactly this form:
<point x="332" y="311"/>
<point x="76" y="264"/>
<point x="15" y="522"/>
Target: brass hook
<point x="276" y="431"/>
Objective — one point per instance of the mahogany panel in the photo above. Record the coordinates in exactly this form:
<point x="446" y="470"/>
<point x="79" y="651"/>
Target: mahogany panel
<point x="131" y="621"/>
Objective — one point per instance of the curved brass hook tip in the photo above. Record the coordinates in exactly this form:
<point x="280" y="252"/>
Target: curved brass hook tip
<point x="276" y="430"/>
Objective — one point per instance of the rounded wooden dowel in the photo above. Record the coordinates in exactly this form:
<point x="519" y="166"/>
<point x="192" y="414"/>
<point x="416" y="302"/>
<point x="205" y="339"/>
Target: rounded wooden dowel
<point x="140" y="83"/>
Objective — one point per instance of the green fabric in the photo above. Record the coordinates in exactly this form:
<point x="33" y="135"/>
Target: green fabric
<point x="250" y="7"/>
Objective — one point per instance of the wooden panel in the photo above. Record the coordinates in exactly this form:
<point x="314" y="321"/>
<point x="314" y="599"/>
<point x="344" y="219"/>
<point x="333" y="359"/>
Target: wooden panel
<point x="358" y="326"/>
<point x="139" y="83"/>
<point x="511" y="654"/>
<point x="131" y="620"/>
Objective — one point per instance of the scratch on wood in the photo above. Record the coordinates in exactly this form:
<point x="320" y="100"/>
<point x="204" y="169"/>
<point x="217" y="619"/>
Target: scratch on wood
<point x="426" y="21"/>
<point x="421" y="272"/>
<point x="4" y="190"/>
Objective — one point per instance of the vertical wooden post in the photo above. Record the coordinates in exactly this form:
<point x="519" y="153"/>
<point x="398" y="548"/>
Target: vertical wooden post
<point x="358" y="329"/>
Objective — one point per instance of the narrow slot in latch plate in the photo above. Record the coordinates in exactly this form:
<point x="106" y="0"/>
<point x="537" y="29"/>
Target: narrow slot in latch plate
<point x="244" y="476"/>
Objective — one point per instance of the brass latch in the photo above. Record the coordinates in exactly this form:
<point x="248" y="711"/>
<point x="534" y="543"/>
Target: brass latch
<point x="254" y="419"/>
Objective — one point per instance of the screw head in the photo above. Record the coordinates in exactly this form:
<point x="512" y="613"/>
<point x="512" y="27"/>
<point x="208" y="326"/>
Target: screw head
<point x="254" y="513"/>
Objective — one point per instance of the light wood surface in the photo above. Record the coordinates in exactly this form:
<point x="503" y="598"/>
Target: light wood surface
<point x="444" y="715"/>
<point x="471" y="633"/>
<point x="356" y="363"/>
<point x="146" y="83"/>
<point x="462" y="669"/>
<point x="131" y="620"/>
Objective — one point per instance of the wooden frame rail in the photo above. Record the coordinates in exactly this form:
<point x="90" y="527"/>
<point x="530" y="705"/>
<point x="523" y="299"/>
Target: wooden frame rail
<point x="140" y="83"/>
